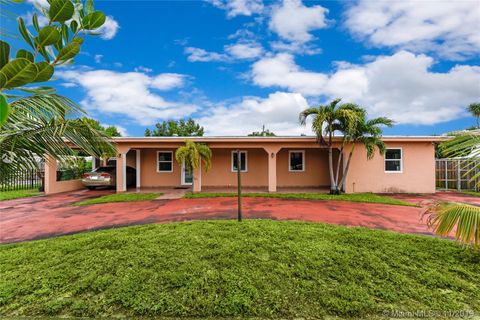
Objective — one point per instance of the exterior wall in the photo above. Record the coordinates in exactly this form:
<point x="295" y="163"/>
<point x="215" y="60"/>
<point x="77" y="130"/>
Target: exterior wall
<point x="418" y="174"/>
<point x="53" y="186"/>
<point x="316" y="169"/>
<point x="221" y="175"/>
<point x="149" y="176"/>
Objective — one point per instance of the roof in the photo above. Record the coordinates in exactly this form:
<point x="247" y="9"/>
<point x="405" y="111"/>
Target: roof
<point x="271" y="139"/>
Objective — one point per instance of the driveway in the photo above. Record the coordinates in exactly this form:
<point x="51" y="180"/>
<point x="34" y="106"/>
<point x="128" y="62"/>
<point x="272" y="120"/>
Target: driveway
<point x="48" y="216"/>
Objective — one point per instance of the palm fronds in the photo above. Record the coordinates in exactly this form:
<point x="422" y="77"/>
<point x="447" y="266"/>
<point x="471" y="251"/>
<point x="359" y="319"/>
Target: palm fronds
<point x="444" y="217"/>
<point x="192" y="153"/>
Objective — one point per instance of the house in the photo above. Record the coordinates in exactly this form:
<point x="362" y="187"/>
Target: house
<point x="272" y="163"/>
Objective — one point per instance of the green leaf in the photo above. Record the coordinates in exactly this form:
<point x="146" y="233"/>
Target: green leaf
<point x="65" y="34"/>
<point x="73" y="26"/>
<point x="4" y="53"/>
<point x="25" y="54"/>
<point x="44" y="72"/>
<point x="38" y="90"/>
<point x="69" y="51"/>
<point x="47" y="36"/>
<point x="24" y="32"/>
<point x="89" y="6"/>
<point x="93" y="20"/>
<point x="35" y="22"/>
<point x="60" y="10"/>
<point x="4" y="109"/>
<point x="17" y="73"/>
<point x="43" y="52"/>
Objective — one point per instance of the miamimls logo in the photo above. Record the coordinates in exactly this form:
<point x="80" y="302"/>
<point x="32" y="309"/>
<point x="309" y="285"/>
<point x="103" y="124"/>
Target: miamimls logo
<point x="456" y="314"/>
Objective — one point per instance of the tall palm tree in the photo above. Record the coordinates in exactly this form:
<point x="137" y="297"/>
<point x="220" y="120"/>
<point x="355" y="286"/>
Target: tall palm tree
<point x="474" y="109"/>
<point x="444" y="217"/>
<point x="192" y="153"/>
<point x="328" y="119"/>
<point x="368" y="133"/>
<point x="42" y="125"/>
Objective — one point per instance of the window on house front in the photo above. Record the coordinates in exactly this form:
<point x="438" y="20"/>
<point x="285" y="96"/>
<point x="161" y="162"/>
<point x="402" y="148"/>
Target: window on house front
<point x="393" y="160"/>
<point x="165" y="161"/>
<point x="296" y="161"/>
<point x="243" y="161"/>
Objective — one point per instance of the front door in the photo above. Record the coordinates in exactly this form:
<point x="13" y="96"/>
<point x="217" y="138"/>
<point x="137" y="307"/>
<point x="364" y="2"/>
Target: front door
<point x="187" y="178"/>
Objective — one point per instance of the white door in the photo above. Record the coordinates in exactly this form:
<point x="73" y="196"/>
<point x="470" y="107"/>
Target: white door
<point x="187" y="178"/>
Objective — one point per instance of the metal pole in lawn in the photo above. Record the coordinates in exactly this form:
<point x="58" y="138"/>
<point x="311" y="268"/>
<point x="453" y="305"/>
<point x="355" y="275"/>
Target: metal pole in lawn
<point x="239" y="186"/>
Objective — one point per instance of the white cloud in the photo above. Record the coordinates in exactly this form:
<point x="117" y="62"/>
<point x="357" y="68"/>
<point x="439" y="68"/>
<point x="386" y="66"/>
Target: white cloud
<point x="109" y="28"/>
<point x="143" y="69"/>
<point x="98" y="58"/>
<point x="278" y="112"/>
<point x="293" y="21"/>
<point x="241" y="50"/>
<point x="245" y="50"/>
<point x="168" y="81"/>
<point x="448" y="28"/>
<point x="41" y="3"/>
<point x="239" y="7"/>
<point x="129" y="94"/>
<point x="400" y="86"/>
<point x="42" y="20"/>
<point x="201" y="55"/>
<point x="123" y="131"/>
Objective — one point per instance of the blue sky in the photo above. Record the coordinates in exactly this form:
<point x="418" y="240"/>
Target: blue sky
<point x="236" y="65"/>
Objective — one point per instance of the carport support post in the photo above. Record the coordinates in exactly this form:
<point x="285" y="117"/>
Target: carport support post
<point x="121" y="170"/>
<point x="50" y="177"/>
<point x="197" y="178"/>
<point x="272" y="168"/>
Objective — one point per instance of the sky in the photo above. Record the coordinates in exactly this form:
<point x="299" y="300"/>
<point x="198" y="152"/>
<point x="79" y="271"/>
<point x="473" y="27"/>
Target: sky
<point x="237" y="65"/>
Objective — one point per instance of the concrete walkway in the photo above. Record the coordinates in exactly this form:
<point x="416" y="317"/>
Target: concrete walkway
<point x="48" y="216"/>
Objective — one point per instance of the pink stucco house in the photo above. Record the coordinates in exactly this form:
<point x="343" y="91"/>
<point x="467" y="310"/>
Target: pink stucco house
<point x="272" y="163"/>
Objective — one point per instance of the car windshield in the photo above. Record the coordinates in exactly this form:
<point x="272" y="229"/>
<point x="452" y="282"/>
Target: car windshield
<point x="105" y="169"/>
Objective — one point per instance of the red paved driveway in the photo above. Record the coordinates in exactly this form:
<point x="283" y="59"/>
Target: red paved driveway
<point x="47" y="216"/>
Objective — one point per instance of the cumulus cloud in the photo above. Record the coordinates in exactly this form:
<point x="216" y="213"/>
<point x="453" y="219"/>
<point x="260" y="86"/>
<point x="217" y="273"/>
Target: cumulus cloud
<point x="98" y="58"/>
<point x="168" y="81"/>
<point x="449" y="28"/>
<point x="241" y="50"/>
<point x="278" y="112"/>
<point x="239" y="7"/>
<point x="109" y="28"/>
<point x="131" y="94"/>
<point x="400" y="86"/>
<point x="293" y="21"/>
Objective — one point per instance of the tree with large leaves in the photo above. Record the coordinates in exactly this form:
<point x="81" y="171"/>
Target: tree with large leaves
<point x="50" y="46"/>
<point x="34" y="121"/>
<point x="327" y="120"/>
<point x="192" y="153"/>
<point x="444" y="217"/>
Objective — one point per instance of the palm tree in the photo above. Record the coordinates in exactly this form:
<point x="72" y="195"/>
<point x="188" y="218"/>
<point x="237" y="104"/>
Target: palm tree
<point x="42" y="125"/>
<point x="474" y="109"/>
<point x="327" y="119"/>
<point x="192" y="153"/>
<point x="368" y="133"/>
<point x="444" y="217"/>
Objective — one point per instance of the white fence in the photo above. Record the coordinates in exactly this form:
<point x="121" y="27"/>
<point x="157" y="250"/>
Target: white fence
<point x="456" y="174"/>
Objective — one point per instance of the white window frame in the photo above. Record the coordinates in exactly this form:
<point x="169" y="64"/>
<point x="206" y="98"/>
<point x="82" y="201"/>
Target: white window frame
<point x="385" y="160"/>
<point x="289" y="159"/>
<point x="246" y="161"/>
<point x="158" y="162"/>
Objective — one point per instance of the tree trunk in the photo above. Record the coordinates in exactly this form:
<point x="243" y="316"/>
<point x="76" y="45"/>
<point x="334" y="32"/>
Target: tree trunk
<point x="337" y="174"/>
<point x="333" y="186"/>
<point x="345" y="170"/>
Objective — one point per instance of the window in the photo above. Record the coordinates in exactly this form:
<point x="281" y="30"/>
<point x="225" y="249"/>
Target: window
<point x="393" y="160"/>
<point x="296" y="162"/>
<point x="165" y="161"/>
<point x="243" y="161"/>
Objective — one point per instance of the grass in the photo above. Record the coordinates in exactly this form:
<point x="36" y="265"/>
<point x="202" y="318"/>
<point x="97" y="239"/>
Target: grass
<point x="257" y="268"/>
<point x="119" y="197"/>
<point x="355" y="197"/>
<point x="472" y="193"/>
<point x="10" y="195"/>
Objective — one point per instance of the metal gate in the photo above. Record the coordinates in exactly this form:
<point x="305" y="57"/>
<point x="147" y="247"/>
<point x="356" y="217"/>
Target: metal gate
<point x="26" y="179"/>
<point x="456" y="174"/>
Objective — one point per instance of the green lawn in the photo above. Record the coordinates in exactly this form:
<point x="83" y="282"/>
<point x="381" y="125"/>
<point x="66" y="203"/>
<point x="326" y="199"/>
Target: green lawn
<point x="119" y="197"/>
<point x="256" y="268"/>
<point x="10" y="195"/>
<point x="472" y="193"/>
<point x="355" y="197"/>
